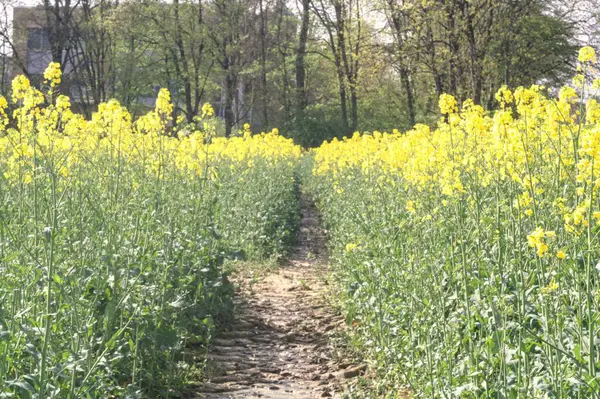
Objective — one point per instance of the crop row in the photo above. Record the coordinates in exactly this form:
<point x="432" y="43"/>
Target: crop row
<point x="467" y="255"/>
<point x="113" y="235"/>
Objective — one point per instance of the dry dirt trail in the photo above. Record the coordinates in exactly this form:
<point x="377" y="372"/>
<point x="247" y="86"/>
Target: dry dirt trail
<point x="279" y="345"/>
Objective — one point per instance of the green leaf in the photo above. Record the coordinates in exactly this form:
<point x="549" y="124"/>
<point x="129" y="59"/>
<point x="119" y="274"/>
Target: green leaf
<point x="22" y="385"/>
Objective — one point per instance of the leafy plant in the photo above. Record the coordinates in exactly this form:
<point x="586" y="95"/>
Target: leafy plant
<point x="113" y="235"/>
<point x="467" y="255"/>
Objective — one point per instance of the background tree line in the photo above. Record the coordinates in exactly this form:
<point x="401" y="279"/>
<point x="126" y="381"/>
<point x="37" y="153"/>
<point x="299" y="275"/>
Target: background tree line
<point x="314" y="68"/>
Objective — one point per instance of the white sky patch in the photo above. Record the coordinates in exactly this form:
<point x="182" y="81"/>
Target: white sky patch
<point x="6" y="19"/>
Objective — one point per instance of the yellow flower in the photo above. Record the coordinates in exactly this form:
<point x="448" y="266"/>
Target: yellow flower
<point x="448" y="104"/>
<point x="550" y="288"/>
<point x="578" y="81"/>
<point x="592" y="114"/>
<point x="587" y="54"/>
<point x="3" y="116"/>
<point x="561" y="255"/>
<point x="53" y="74"/>
<point x="207" y="110"/>
<point x="504" y="96"/>
<point x="542" y="248"/>
<point x="164" y="108"/>
<point x="537" y="240"/>
<point x="63" y="102"/>
<point x="20" y="87"/>
<point x="567" y="94"/>
<point x="351" y="247"/>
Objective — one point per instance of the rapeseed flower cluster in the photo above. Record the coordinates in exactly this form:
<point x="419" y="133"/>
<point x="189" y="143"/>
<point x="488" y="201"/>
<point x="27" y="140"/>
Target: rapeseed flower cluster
<point x="536" y="145"/>
<point x="537" y="240"/>
<point x="55" y="137"/>
<point x="53" y="74"/>
<point x="587" y="54"/>
<point x="121" y="226"/>
<point x="479" y="240"/>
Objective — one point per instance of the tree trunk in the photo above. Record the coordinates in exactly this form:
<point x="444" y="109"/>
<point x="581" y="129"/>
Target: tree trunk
<point x="475" y="66"/>
<point x="197" y="61"/>
<point x="476" y="74"/>
<point x="410" y="100"/>
<point x="342" y="92"/>
<point x="229" y="116"/>
<point x="397" y="22"/>
<point x="263" y="65"/>
<point x="430" y="48"/>
<point x="287" y="98"/>
<point x="182" y="58"/>
<point x="439" y="83"/>
<point x="301" y="100"/>
<point x="343" y="60"/>
<point x="455" y="71"/>
<point x="353" y="109"/>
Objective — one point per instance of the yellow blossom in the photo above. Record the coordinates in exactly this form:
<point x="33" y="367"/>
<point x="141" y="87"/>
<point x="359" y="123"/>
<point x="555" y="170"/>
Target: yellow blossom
<point x="592" y="111"/>
<point x="550" y="288"/>
<point x="351" y="247"/>
<point x="207" y="110"/>
<point x="164" y="108"/>
<point x="587" y="54"/>
<point x="20" y="87"/>
<point x="53" y="74"/>
<point x="578" y="81"/>
<point x="504" y="96"/>
<point x="567" y="94"/>
<point x="3" y="115"/>
<point x="448" y="104"/>
<point x="537" y="240"/>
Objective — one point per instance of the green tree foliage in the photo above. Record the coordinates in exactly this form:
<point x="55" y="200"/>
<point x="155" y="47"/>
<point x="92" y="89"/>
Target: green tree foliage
<point x="315" y="68"/>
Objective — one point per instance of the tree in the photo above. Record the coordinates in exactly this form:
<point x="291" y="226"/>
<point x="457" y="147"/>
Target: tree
<point x="227" y="36"/>
<point x="301" y="100"/>
<point x="180" y="32"/>
<point x="322" y="69"/>
<point x="341" y="20"/>
<point x="401" y="23"/>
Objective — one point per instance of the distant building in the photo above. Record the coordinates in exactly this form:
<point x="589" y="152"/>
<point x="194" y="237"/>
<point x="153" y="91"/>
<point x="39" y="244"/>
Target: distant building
<point x="31" y="41"/>
<point x="33" y="52"/>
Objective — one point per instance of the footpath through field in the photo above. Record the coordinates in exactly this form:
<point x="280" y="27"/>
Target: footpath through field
<point x="279" y="345"/>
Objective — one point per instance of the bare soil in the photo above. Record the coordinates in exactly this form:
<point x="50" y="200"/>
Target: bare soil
<point x="280" y="345"/>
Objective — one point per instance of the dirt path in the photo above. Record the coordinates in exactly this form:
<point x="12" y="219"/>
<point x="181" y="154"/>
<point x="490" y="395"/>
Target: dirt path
<point x="279" y="346"/>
